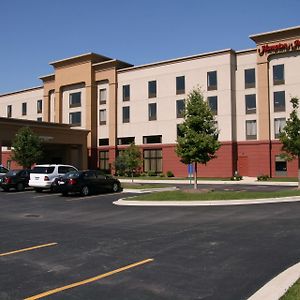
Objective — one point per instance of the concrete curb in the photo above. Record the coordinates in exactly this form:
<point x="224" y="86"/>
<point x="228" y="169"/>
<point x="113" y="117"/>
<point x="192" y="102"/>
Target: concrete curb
<point x="278" y="286"/>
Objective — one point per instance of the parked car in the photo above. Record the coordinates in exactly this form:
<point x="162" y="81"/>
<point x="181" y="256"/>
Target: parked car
<point x="17" y="179"/>
<point x="87" y="182"/>
<point x="3" y="171"/>
<point x="42" y="177"/>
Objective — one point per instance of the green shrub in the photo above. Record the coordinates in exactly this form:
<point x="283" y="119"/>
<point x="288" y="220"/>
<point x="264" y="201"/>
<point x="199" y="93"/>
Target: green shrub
<point x="263" y="177"/>
<point x="151" y="173"/>
<point x="170" y="174"/>
<point x="236" y="177"/>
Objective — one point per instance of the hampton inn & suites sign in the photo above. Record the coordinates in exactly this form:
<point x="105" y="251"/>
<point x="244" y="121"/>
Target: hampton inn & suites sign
<point x="279" y="47"/>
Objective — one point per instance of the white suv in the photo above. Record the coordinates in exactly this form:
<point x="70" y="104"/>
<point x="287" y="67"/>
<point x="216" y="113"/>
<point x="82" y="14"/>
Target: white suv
<point x="43" y="176"/>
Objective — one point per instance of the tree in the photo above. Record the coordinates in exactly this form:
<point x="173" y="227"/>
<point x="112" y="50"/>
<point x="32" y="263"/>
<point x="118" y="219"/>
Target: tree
<point x="198" y="140"/>
<point x="27" y="148"/>
<point x="290" y="136"/>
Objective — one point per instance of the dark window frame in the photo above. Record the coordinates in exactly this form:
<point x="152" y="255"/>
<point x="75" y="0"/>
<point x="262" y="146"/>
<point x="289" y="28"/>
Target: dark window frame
<point x="101" y="101"/>
<point x="102" y="122"/>
<point x="24" y="108"/>
<point x="278" y="71"/>
<point x="180" y="85"/>
<point x="73" y="99"/>
<point x="248" y="100"/>
<point x="73" y="114"/>
<point x="126" y="114"/>
<point x="251" y="136"/>
<point x="152" y="89"/>
<point x="276" y="99"/>
<point x="180" y="109"/>
<point x="39" y="106"/>
<point x="126" y="92"/>
<point x="250" y="78"/>
<point x="213" y="106"/>
<point x="212" y="86"/>
<point x="152" y="112"/>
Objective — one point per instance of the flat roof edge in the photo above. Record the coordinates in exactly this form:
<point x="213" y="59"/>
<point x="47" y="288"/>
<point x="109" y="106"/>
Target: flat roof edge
<point x="22" y="91"/>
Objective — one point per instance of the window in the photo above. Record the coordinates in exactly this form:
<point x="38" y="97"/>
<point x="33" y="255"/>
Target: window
<point x="75" y="118"/>
<point x="249" y="78"/>
<point x="103" y="142"/>
<point x="102" y="96"/>
<point x="180" y="85"/>
<point x="126" y="114"/>
<point x="103" y="160"/>
<point x="39" y="119"/>
<point x="126" y="92"/>
<point x="153" y="160"/>
<point x="9" y="111"/>
<point x="24" y="109"/>
<point x="152" y="139"/>
<point x="180" y="107"/>
<point x="251" y="130"/>
<point x="280" y="166"/>
<point x="213" y="104"/>
<point x="152" y="111"/>
<point x="212" y="83"/>
<point x="278" y="74"/>
<point x="75" y="99"/>
<point x="102" y="116"/>
<point x="279" y="101"/>
<point x="39" y="106"/>
<point x="250" y="104"/>
<point x="279" y="123"/>
<point x="152" y="89"/>
<point x="126" y="140"/>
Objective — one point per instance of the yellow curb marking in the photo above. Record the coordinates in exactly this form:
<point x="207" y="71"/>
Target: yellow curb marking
<point x="28" y="249"/>
<point x="70" y="286"/>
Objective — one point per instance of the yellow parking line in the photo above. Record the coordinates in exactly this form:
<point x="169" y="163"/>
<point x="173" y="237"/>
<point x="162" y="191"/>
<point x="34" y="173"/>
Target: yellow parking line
<point x="70" y="286"/>
<point x="28" y="249"/>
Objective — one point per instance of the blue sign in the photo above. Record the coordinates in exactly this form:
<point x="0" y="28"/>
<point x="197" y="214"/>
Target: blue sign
<point x="190" y="170"/>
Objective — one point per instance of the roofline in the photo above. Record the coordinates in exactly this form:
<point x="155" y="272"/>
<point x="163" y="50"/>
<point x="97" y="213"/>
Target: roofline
<point x="46" y="76"/>
<point x="274" y="31"/>
<point x="22" y="91"/>
<point x="246" y="51"/>
<point x="175" y="60"/>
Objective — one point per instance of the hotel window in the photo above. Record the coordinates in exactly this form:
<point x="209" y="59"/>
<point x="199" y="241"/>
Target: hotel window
<point x="152" y="111"/>
<point x="9" y="111"/>
<point x="280" y="166"/>
<point x="279" y="123"/>
<point x="103" y="142"/>
<point x="251" y="130"/>
<point x="39" y="106"/>
<point x="153" y="160"/>
<point x="249" y="78"/>
<point x="152" y="89"/>
<point x="102" y="96"/>
<point x="213" y="104"/>
<point x="126" y="140"/>
<point x="180" y="85"/>
<point x="180" y="107"/>
<point x="102" y="117"/>
<point x="126" y="114"/>
<point x="104" y="160"/>
<point x="152" y="139"/>
<point x="75" y="118"/>
<point x="279" y="101"/>
<point x="278" y="74"/>
<point x="75" y="99"/>
<point x="250" y="104"/>
<point x="24" y="109"/>
<point x="126" y="92"/>
<point x="39" y="119"/>
<point x="212" y="82"/>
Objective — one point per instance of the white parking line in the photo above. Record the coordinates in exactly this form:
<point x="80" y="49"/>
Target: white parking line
<point x="14" y="194"/>
<point x="46" y="195"/>
<point x="89" y="197"/>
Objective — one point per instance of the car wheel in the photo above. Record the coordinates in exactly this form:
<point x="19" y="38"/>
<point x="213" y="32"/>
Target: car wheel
<point x="20" y="187"/>
<point x="38" y="190"/>
<point x="115" y="187"/>
<point x="85" y="191"/>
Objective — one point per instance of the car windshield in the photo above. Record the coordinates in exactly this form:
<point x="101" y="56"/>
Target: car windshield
<point x="43" y="170"/>
<point x="13" y="172"/>
<point x="72" y="174"/>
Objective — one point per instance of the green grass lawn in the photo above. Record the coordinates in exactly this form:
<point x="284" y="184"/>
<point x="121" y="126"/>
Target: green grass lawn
<point x="293" y="292"/>
<point x="213" y="195"/>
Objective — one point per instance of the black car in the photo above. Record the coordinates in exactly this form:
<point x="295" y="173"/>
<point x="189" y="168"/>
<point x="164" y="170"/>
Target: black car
<point x="87" y="182"/>
<point x="17" y="179"/>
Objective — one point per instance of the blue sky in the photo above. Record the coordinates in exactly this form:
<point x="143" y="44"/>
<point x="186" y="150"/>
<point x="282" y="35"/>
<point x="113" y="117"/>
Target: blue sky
<point x="36" y="32"/>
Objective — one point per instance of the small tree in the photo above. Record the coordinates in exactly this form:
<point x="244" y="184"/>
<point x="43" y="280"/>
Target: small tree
<point x="133" y="161"/>
<point x="198" y="141"/>
<point x="290" y="136"/>
<point x="27" y="148"/>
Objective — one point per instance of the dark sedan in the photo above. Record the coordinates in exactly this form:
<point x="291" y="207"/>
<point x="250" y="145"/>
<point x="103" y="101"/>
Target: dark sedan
<point x="87" y="182"/>
<point x="17" y="179"/>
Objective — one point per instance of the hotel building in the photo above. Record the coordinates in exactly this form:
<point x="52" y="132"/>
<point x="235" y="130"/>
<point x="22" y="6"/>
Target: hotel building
<point x="118" y="103"/>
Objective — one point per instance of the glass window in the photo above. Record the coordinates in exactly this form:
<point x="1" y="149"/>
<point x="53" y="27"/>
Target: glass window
<point x="102" y="96"/>
<point x="250" y="104"/>
<point x="126" y="114"/>
<point x="249" y="78"/>
<point x="126" y="92"/>
<point x="75" y="119"/>
<point x="75" y="99"/>
<point x="39" y="119"/>
<point x="152" y="89"/>
<point x="126" y="140"/>
<point x="279" y="101"/>
<point x="102" y="116"/>
<point x="251" y="130"/>
<point x="9" y="111"/>
<point x="278" y="74"/>
<point x="279" y="123"/>
<point x="180" y="107"/>
<point x="39" y="106"/>
<point x="104" y="160"/>
<point x="152" y="111"/>
<point x="153" y="160"/>
<point x="103" y="142"/>
<point x="24" y="109"/>
<point x="280" y="166"/>
<point x="152" y="139"/>
<point x="180" y="85"/>
<point x="213" y="104"/>
<point x="212" y="83"/>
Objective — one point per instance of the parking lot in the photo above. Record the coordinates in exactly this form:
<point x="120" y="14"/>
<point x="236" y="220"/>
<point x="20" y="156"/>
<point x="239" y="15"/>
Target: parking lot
<point x="75" y="247"/>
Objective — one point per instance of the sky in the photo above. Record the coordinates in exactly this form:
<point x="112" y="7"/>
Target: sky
<point x="36" y="32"/>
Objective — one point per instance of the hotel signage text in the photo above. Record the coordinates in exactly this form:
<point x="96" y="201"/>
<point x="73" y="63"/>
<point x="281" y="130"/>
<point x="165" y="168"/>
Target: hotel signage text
<point x="280" y="47"/>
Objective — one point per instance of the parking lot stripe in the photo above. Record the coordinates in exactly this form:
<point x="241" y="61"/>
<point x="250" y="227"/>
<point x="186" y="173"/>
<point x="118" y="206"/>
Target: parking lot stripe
<point x="28" y="249"/>
<point x="89" y="197"/>
<point x="46" y="195"/>
<point x="73" y="285"/>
